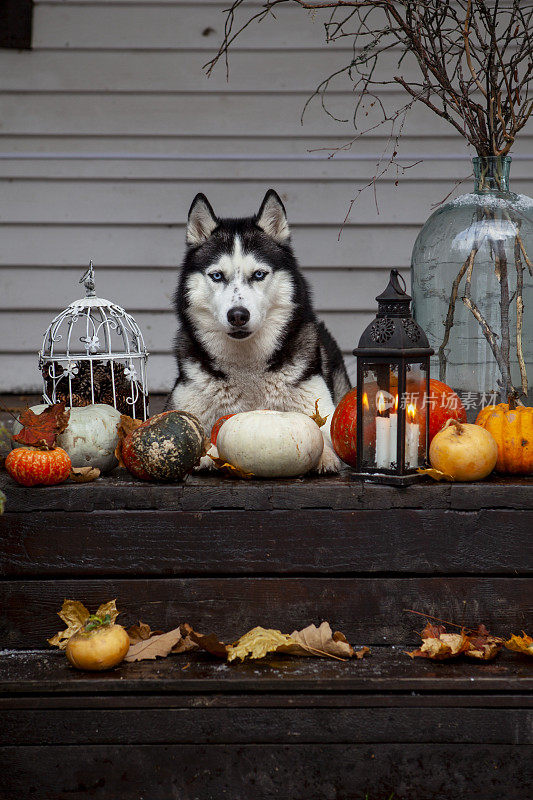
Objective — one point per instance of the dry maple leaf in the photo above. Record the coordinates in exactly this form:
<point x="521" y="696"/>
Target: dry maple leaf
<point x="439" y="645"/>
<point x="158" y="645"/>
<point x="40" y="430"/>
<point x="75" y="615"/>
<point x="436" y="474"/>
<point x="108" y="609"/>
<point x="84" y="474"/>
<point x="161" y="644"/>
<point x="319" y="641"/>
<point x="210" y="642"/>
<point x="258" y="642"/>
<point x="520" y="644"/>
<point x="320" y="421"/>
<point x="140" y="632"/>
<point x="482" y="645"/>
<point x="229" y="470"/>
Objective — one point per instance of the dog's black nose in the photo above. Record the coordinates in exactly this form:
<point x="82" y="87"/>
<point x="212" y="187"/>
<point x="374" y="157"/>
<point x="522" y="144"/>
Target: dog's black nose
<point x="238" y="316"/>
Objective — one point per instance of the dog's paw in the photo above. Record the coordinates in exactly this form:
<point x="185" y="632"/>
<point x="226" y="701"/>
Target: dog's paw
<point x="329" y="461"/>
<point x="207" y="463"/>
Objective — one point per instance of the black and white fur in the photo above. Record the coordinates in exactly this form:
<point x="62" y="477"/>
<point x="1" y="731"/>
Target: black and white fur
<point x="248" y="335"/>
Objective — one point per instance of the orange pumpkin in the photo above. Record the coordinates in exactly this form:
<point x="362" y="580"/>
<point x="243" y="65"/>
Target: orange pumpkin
<point x="512" y="429"/>
<point x="31" y="467"/>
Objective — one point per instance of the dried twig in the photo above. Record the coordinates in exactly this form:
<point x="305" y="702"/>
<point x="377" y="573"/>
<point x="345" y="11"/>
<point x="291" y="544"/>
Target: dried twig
<point x="450" y="316"/>
<point x="520" y="315"/>
<point x="473" y="56"/>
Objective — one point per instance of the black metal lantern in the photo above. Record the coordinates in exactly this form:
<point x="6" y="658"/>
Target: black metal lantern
<point x="392" y="391"/>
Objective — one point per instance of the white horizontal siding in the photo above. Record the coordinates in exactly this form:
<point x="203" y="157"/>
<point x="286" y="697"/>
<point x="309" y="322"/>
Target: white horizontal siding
<point x="311" y="202"/>
<point x="159" y="26"/>
<point x="152" y="71"/>
<point x="161" y="245"/>
<point x="109" y="126"/>
<point x="151" y="289"/>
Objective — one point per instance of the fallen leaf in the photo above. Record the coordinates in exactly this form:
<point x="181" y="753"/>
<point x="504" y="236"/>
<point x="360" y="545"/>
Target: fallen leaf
<point x="159" y="645"/>
<point x="258" y="642"/>
<point x="319" y="641"/>
<point x="320" y="421"/>
<point x="520" y="644"/>
<point x="229" y="469"/>
<point x="436" y="474"/>
<point x="210" y="642"/>
<point x="109" y="608"/>
<point x="74" y="615"/>
<point x="362" y="652"/>
<point x="439" y="645"/>
<point x="482" y="645"/>
<point x="84" y="474"/>
<point x="140" y="632"/>
<point x="125" y="426"/>
<point x="40" y="430"/>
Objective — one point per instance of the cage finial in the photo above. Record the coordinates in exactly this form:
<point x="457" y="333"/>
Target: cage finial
<point x="88" y="281"/>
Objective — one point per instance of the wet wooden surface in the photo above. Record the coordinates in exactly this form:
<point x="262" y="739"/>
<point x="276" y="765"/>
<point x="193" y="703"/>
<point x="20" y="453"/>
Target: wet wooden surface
<point x="227" y="555"/>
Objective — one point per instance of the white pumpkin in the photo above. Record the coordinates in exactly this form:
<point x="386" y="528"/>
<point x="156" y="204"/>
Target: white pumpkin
<point x="90" y="437"/>
<point x="271" y="444"/>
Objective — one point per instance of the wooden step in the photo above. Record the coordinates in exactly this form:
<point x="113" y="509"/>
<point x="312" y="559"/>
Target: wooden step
<point x="225" y="556"/>
<point x="190" y="726"/>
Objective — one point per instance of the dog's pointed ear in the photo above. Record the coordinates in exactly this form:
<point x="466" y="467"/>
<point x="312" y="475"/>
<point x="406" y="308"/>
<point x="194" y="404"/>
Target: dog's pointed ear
<point x="271" y="217"/>
<point x="201" y="221"/>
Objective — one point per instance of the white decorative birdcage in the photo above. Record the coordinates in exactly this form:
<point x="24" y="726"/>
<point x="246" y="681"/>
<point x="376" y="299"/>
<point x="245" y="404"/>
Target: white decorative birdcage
<point x="94" y="352"/>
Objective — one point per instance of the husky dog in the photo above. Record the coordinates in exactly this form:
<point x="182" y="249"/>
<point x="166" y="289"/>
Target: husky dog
<point x="248" y="335"/>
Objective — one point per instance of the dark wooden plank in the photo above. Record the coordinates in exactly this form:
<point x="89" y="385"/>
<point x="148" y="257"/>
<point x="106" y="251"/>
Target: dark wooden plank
<point x="251" y="542"/>
<point x="367" y="610"/>
<point x="248" y="700"/>
<point x="386" y="670"/>
<point x="205" y="492"/>
<point x="313" y="772"/>
<point x="265" y="725"/>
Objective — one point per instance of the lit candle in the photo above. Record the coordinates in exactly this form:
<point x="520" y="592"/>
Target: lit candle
<point x="382" y="435"/>
<point x="412" y="435"/>
<point x="393" y="434"/>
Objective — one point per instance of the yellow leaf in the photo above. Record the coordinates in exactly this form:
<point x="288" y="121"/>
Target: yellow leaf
<point x="258" y="642"/>
<point x="320" y="421"/>
<point x="436" y="474"/>
<point x="520" y="644"/>
<point x="74" y="615"/>
<point x="446" y="645"/>
<point x="108" y="608"/>
<point x="229" y="469"/>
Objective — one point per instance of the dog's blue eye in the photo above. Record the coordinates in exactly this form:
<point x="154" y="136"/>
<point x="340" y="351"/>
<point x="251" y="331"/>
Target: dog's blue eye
<point x="259" y="274"/>
<point x="216" y="276"/>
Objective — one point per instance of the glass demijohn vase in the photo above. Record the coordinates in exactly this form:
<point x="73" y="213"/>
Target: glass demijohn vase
<point x="472" y="287"/>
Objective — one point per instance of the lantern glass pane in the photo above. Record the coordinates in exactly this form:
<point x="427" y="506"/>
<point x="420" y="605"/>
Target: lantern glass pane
<point x="380" y="416"/>
<point x="414" y="402"/>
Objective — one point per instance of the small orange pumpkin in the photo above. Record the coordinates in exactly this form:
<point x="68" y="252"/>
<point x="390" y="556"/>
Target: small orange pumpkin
<point x="31" y="467"/>
<point x="512" y="427"/>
